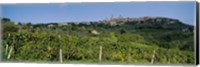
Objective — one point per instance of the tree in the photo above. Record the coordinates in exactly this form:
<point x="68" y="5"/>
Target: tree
<point x="122" y="31"/>
<point x="9" y="26"/>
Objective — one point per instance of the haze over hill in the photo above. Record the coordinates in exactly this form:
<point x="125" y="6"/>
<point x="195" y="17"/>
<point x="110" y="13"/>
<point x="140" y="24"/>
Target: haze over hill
<point x="147" y="20"/>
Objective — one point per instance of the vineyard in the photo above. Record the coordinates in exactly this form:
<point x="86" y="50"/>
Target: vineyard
<point x="128" y="43"/>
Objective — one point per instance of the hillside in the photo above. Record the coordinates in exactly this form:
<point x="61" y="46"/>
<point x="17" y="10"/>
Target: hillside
<point x="145" y="40"/>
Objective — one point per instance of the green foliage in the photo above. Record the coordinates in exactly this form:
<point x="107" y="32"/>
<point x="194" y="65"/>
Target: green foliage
<point x="8" y="26"/>
<point x="132" y="43"/>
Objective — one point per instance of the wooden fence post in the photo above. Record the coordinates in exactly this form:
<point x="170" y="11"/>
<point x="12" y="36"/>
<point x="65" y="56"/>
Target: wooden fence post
<point x="60" y="55"/>
<point x="129" y="55"/>
<point x="169" y="61"/>
<point x="7" y="44"/>
<point x="60" y="51"/>
<point x="6" y="49"/>
<point x="9" y="54"/>
<point x="153" y="57"/>
<point x="100" y="53"/>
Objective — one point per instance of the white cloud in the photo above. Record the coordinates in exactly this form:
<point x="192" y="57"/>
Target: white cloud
<point x="63" y="4"/>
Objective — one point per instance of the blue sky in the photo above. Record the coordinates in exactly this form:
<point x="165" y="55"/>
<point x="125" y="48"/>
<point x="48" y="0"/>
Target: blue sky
<point x="66" y="12"/>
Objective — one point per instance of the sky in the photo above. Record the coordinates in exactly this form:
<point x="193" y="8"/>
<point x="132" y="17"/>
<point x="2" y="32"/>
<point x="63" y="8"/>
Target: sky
<point x="77" y="12"/>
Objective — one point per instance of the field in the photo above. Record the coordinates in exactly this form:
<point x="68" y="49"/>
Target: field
<point x="146" y="40"/>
